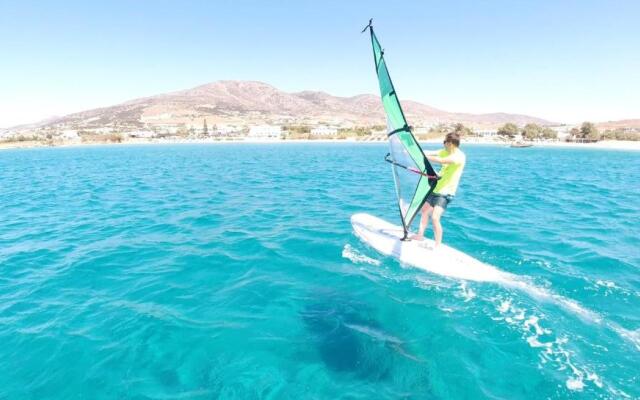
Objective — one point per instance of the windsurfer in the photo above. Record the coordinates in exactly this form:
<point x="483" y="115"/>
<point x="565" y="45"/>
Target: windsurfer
<point x="452" y="160"/>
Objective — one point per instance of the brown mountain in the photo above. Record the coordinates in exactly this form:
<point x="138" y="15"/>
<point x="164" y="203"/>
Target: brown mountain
<point x="257" y="102"/>
<point x="620" y="124"/>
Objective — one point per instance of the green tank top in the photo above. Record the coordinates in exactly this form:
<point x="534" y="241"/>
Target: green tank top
<point x="450" y="174"/>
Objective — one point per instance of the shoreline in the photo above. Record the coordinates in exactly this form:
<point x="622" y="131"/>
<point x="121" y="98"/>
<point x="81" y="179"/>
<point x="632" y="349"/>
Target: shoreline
<point x="602" y="145"/>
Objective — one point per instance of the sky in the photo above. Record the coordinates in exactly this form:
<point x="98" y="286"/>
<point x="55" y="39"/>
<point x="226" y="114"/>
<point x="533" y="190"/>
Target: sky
<point x="565" y="61"/>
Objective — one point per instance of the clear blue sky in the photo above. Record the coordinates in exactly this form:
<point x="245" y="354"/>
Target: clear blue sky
<point x="565" y="61"/>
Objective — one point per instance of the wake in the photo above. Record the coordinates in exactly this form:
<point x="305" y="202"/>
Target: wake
<point x="491" y="274"/>
<point x="569" y="305"/>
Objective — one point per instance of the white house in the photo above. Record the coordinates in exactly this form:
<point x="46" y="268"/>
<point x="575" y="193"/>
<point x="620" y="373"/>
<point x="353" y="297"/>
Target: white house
<point x="224" y="130"/>
<point x="486" y="132"/>
<point x="69" y="134"/>
<point x="142" y="134"/>
<point x="265" y="131"/>
<point x="563" y="131"/>
<point x="420" y="130"/>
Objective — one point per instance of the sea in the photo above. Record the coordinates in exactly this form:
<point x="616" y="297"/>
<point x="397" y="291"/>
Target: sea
<point x="231" y="271"/>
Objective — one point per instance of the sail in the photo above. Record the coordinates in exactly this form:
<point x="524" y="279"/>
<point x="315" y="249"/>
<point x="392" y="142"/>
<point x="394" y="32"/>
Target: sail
<point x="413" y="175"/>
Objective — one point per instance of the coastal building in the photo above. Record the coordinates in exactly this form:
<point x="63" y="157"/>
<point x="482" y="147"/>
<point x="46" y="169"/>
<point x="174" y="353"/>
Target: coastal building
<point x="142" y="134"/>
<point x="421" y="130"/>
<point x="324" y="131"/>
<point x="224" y="130"/>
<point x="70" y="134"/>
<point x="563" y="131"/>
<point x="487" y="133"/>
<point x="265" y="131"/>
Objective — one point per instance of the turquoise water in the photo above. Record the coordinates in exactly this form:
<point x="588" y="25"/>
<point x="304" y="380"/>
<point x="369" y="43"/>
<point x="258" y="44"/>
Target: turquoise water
<point x="231" y="272"/>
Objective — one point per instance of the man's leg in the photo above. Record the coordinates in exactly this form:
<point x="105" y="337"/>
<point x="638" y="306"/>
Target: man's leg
<point x="437" y="228"/>
<point x="424" y="221"/>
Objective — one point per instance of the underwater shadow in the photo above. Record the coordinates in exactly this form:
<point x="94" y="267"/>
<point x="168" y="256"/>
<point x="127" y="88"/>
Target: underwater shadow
<point x="339" y="329"/>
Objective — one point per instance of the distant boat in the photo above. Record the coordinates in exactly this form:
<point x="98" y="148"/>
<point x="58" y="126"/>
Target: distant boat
<point x="521" y="144"/>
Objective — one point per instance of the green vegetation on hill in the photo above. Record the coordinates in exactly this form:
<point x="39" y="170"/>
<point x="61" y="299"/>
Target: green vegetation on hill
<point x="462" y="130"/>
<point x="509" y="129"/>
<point x="357" y="131"/>
<point x="440" y="130"/>
<point x="296" y="129"/>
<point x="113" y="137"/>
<point x="535" y="131"/>
<point x="589" y="131"/>
<point x="620" y="134"/>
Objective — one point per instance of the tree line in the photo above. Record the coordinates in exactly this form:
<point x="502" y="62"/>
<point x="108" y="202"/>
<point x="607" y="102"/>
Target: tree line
<point x="529" y="131"/>
<point x="586" y="132"/>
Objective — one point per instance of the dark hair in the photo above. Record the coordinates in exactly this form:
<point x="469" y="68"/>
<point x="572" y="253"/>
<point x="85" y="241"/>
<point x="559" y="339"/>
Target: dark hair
<point x="453" y="138"/>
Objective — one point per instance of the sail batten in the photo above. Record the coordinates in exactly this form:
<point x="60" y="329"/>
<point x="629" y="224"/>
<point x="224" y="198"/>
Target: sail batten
<point x="413" y="175"/>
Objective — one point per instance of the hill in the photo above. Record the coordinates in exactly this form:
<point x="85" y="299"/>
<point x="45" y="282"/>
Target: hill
<point x="250" y="102"/>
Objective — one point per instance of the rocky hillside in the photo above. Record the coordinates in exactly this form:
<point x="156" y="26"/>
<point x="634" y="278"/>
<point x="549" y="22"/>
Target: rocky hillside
<point x="257" y="102"/>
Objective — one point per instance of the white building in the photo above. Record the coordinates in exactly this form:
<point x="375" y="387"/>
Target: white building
<point x="265" y="131"/>
<point x="69" y="134"/>
<point x="324" y="131"/>
<point x="563" y="131"/>
<point x="142" y="134"/>
<point x="224" y="130"/>
<point x="486" y="132"/>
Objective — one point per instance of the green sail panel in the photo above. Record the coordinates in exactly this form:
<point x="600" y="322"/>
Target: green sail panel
<point x="413" y="175"/>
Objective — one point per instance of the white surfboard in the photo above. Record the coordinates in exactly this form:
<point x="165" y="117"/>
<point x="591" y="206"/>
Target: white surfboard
<point x="443" y="260"/>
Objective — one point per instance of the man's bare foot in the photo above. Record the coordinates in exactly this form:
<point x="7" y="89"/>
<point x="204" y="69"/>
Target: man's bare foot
<point x="417" y="237"/>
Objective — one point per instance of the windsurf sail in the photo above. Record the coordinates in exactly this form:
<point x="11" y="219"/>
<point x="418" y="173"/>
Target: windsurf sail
<point x="413" y="175"/>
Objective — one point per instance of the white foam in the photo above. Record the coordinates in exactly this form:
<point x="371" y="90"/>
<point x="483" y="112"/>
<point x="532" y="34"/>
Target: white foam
<point x="593" y="377"/>
<point x="575" y="383"/>
<point x="355" y="256"/>
<point x="632" y="336"/>
<point x="538" y="337"/>
<point x="546" y="295"/>
<point x="504" y="306"/>
<point x="467" y="293"/>
<point x="608" y="284"/>
<point x="575" y="308"/>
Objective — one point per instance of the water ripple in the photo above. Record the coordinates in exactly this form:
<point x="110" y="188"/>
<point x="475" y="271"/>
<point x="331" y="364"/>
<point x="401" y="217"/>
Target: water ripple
<point x="230" y="271"/>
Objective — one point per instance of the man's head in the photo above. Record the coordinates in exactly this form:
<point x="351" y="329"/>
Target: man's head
<point x="452" y="140"/>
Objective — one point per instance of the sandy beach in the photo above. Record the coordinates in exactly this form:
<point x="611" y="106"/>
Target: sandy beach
<point x="603" y="145"/>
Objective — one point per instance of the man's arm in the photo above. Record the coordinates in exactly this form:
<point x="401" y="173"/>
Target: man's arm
<point x="432" y="153"/>
<point x="442" y="160"/>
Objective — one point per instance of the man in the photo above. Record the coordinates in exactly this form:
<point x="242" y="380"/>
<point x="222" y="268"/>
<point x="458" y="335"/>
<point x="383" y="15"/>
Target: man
<point x="453" y="161"/>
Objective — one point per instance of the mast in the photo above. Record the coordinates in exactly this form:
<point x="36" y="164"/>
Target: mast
<point x="413" y="175"/>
